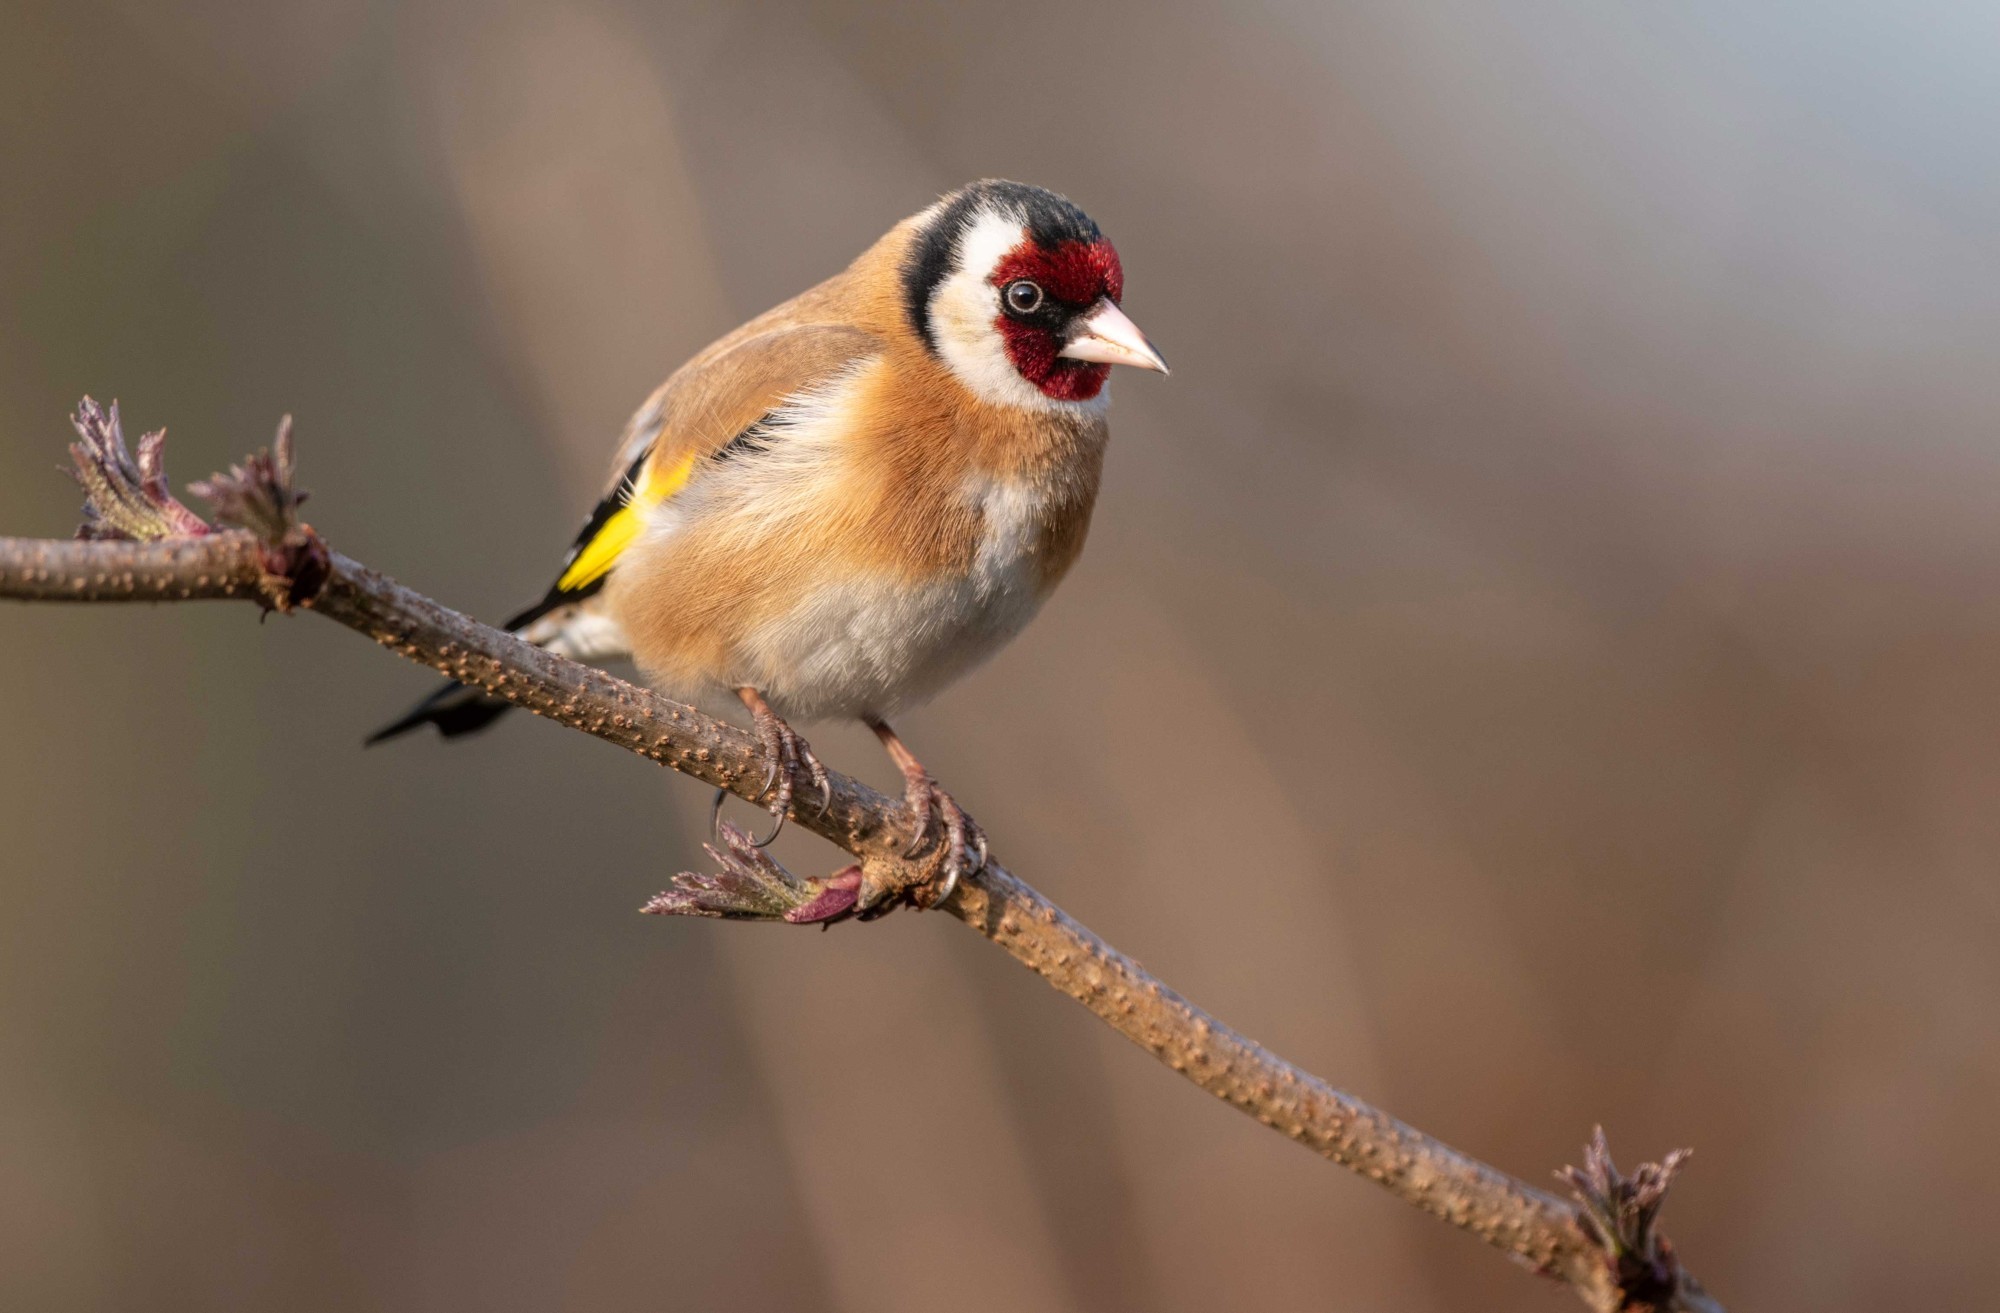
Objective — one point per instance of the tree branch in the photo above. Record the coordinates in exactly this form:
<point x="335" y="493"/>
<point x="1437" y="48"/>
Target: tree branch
<point x="144" y="546"/>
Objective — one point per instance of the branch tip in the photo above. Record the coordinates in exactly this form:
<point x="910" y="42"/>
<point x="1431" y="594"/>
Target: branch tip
<point x="1619" y="1216"/>
<point x="125" y="500"/>
<point x="259" y="495"/>
<point x="262" y="497"/>
<point x="752" y="886"/>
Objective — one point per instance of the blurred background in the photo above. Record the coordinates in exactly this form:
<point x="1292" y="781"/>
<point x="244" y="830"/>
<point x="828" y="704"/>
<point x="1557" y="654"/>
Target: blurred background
<point x="1568" y="531"/>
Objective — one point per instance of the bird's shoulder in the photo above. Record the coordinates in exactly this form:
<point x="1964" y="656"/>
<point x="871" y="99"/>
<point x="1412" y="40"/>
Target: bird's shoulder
<point x="726" y="390"/>
<point x="821" y="334"/>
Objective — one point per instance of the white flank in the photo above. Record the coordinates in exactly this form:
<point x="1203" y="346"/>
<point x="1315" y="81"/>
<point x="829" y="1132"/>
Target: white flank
<point x="588" y="636"/>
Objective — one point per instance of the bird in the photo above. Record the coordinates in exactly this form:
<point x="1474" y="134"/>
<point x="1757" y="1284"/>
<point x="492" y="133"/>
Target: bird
<point x="850" y="501"/>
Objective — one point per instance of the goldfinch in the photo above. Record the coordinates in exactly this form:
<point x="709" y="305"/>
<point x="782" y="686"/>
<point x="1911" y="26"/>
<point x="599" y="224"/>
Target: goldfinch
<point x="850" y="501"/>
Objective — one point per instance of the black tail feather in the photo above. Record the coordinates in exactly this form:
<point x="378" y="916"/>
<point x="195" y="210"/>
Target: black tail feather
<point x="456" y="709"/>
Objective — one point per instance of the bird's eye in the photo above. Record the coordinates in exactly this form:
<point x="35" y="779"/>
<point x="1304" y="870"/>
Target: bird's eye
<point x="1022" y="296"/>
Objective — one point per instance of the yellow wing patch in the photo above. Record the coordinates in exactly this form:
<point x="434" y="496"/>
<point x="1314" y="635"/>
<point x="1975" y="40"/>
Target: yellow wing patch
<point x="596" y="557"/>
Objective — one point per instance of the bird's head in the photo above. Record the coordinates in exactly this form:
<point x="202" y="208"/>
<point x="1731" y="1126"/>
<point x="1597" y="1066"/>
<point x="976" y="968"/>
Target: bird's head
<point x="1017" y="291"/>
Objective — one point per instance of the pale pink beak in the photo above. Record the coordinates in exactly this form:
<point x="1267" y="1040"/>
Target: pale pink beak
<point x="1106" y="337"/>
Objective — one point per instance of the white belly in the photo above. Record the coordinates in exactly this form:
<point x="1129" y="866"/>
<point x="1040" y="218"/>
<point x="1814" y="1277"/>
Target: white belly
<point x="870" y="647"/>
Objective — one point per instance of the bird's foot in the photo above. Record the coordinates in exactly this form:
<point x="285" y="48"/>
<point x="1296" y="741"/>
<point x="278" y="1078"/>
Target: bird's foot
<point x="937" y="819"/>
<point x="791" y="761"/>
<point x="961" y="844"/>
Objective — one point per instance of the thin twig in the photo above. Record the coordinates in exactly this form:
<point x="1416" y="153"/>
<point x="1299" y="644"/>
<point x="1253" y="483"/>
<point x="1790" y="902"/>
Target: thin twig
<point x="1605" y="1246"/>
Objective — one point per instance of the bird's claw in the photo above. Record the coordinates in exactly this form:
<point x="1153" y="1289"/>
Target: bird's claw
<point x="788" y="755"/>
<point x="962" y="850"/>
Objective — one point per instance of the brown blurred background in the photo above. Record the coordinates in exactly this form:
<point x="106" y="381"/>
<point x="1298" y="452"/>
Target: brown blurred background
<point x="1570" y="529"/>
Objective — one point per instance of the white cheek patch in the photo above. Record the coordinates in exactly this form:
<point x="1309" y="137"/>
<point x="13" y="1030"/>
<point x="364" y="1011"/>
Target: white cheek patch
<point x="963" y="308"/>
